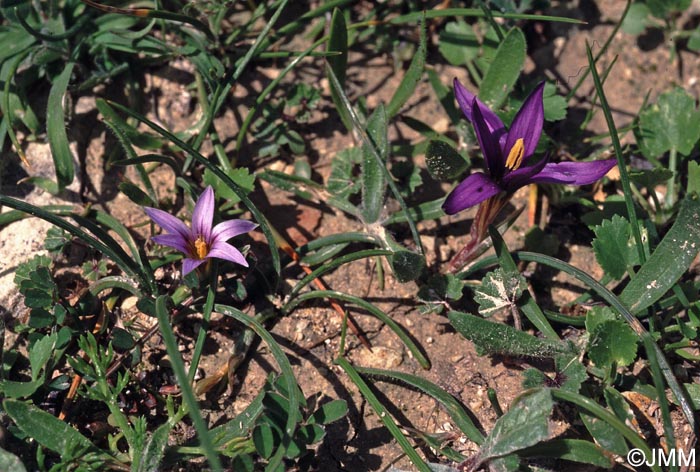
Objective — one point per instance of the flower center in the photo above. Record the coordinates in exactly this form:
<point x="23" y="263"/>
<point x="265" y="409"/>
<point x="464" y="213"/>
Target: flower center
<point x="201" y="248"/>
<point x="515" y="156"/>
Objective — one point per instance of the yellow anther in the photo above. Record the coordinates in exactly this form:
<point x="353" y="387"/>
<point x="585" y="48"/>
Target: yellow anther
<point x="201" y="248"/>
<point x="515" y="156"/>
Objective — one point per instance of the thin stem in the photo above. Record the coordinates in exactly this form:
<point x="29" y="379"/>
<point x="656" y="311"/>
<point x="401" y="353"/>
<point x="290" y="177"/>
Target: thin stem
<point x="206" y="316"/>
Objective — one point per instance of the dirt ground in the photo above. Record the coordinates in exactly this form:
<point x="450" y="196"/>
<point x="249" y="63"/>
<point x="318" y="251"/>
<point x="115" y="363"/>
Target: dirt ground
<point x="310" y="335"/>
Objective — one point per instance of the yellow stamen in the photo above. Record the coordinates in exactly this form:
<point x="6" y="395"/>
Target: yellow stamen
<point x="201" y="248"/>
<point x="515" y="156"/>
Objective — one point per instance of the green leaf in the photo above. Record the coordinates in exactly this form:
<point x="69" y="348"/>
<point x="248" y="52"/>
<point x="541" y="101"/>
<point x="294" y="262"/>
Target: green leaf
<point x="154" y="449"/>
<point x="612" y="342"/>
<point x="330" y="412"/>
<point x="56" y="129"/>
<point x="10" y="462"/>
<point x="338" y="42"/>
<point x="604" y="434"/>
<point x="40" y="353"/>
<point x="46" y="429"/>
<point x="497" y="338"/>
<point x="637" y="19"/>
<point x="614" y="246"/>
<point x="407" y="265"/>
<point x="693" y="177"/>
<point x="443" y="161"/>
<point x="537" y="240"/>
<point x="264" y="440"/>
<point x="650" y="178"/>
<point x="575" y="450"/>
<point x="136" y="195"/>
<point x="499" y="290"/>
<point x="524" y="425"/>
<point x="458" y="43"/>
<point x="670" y="259"/>
<point x="504" y="69"/>
<point x="672" y="123"/>
<point x="554" y="105"/>
<point x="373" y="179"/>
<point x="411" y="78"/>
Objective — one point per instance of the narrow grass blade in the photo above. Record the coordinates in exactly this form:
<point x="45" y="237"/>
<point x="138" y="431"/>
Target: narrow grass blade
<point x="411" y="78"/>
<point x="454" y="408"/>
<point x="395" y="327"/>
<point x="374" y="169"/>
<point x="178" y="365"/>
<point x="56" y="129"/>
<point x="338" y="43"/>
<point x="477" y="13"/>
<point x="383" y="414"/>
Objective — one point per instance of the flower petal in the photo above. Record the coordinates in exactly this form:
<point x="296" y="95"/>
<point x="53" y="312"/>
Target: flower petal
<point x="473" y="190"/>
<point x="174" y="241"/>
<point x="574" y="173"/>
<point x="228" y="229"/>
<point x="487" y="141"/>
<point x="227" y="252"/>
<point x="466" y="102"/>
<point x="168" y="222"/>
<point x="203" y="214"/>
<point x="527" y="123"/>
<point x="188" y="265"/>
<point x="523" y="176"/>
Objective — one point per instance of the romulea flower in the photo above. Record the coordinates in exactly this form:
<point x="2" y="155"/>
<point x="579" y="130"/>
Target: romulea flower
<point x="200" y="241"/>
<point x="507" y="153"/>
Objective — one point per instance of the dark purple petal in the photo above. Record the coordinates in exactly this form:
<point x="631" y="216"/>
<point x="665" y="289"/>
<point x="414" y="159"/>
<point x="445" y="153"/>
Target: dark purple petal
<point x="574" y="173"/>
<point x="168" y="222"/>
<point x="523" y="176"/>
<point x="203" y="214"/>
<point x="473" y="190"/>
<point x="527" y="123"/>
<point x="466" y="102"/>
<point x="174" y="241"/>
<point x="227" y="252"/>
<point x="188" y="265"/>
<point x="488" y="142"/>
<point x="228" y="229"/>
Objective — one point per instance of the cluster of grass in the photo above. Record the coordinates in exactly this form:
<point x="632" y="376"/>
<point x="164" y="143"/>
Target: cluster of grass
<point x="639" y="335"/>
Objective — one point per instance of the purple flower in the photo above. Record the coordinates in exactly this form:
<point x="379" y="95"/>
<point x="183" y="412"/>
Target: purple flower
<point x="507" y="152"/>
<point x="201" y="241"/>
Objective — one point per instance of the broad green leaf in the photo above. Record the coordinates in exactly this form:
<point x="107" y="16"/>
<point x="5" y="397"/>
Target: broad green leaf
<point x="693" y="177"/>
<point x="650" y="178"/>
<point x="637" y="19"/>
<point x="155" y="449"/>
<point x="56" y="129"/>
<point x="575" y="450"/>
<point x="570" y="368"/>
<point x="497" y="338"/>
<point x="411" y="78"/>
<point x="612" y="342"/>
<point x="604" y="434"/>
<point x="618" y="404"/>
<point x="338" y="42"/>
<point x="554" y="105"/>
<point x="672" y="123"/>
<point x="373" y="179"/>
<point x="239" y="175"/>
<point x="537" y="240"/>
<point x="614" y="246"/>
<point x="40" y="353"/>
<point x="524" y="425"/>
<point x="407" y="265"/>
<point x="499" y="290"/>
<point x="445" y="95"/>
<point x="458" y="43"/>
<point x="12" y="389"/>
<point x="443" y="161"/>
<point x="46" y="429"/>
<point x="10" y="462"/>
<point x="504" y="69"/>
<point x="670" y="259"/>
<point x="264" y="440"/>
<point x="330" y="412"/>
<point x="663" y="8"/>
